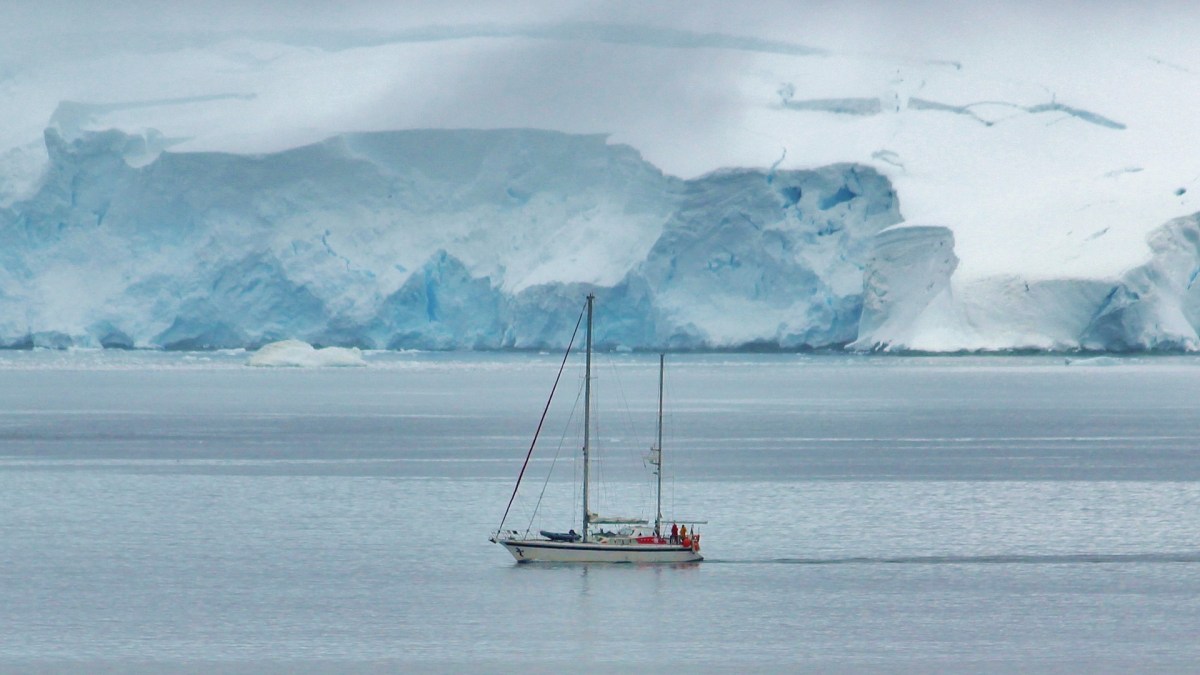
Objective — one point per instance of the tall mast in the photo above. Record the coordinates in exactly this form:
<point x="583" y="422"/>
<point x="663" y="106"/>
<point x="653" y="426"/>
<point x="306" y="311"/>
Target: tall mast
<point x="658" y="451"/>
<point x="587" y="413"/>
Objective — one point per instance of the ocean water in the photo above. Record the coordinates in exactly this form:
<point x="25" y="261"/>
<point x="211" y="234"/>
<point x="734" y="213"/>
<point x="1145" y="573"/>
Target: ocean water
<point x="176" y="512"/>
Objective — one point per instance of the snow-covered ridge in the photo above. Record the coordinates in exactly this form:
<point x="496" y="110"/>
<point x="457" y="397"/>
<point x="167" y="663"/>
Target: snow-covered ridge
<point x="442" y="239"/>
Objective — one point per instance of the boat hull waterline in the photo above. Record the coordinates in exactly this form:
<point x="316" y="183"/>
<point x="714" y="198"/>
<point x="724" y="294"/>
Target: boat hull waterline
<point x="531" y="550"/>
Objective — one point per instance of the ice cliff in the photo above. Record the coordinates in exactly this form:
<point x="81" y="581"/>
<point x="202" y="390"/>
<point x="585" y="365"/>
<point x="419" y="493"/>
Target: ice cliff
<point x="438" y="239"/>
<point x="912" y="302"/>
<point x="461" y="239"/>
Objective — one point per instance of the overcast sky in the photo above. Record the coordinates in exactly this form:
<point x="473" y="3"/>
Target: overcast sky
<point x="556" y="52"/>
<point x="829" y="23"/>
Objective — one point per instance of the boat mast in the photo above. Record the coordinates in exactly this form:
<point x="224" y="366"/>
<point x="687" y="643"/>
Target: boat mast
<point x="587" y="413"/>
<point x="658" y="451"/>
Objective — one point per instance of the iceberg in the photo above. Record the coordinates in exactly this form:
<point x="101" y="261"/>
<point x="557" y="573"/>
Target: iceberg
<point x="298" y="354"/>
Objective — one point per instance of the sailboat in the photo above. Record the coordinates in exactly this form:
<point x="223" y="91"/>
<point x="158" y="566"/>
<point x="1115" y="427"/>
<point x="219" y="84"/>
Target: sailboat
<point x="602" y="539"/>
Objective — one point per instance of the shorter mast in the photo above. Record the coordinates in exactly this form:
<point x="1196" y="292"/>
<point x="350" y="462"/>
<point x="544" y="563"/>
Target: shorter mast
<point x="658" y="448"/>
<point x="587" y="414"/>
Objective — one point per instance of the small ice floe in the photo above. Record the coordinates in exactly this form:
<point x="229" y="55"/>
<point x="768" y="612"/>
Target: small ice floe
<point x="1093" y="361"/>
<point x="298" y="354"/>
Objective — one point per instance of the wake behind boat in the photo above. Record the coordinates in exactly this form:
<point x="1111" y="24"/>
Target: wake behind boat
<point x="603" y="539"/>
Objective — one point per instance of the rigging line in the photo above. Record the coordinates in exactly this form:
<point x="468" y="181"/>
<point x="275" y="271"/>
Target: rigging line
<point x="541" y="421"/>
<point x="597" y="449"/>
<point x="575" y="499"/>
<point x="633" y="429"/>
<point x="561" y="441"/>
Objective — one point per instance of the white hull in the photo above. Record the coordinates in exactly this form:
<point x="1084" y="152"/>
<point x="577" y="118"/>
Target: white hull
<point x="539" y="550"/>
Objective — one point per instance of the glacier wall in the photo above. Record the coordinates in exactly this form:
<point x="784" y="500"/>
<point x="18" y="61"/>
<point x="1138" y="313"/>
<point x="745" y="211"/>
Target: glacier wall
<point x="435" y="239"/>
<point x="906" y="287"/>
<point x="913" y="303"/>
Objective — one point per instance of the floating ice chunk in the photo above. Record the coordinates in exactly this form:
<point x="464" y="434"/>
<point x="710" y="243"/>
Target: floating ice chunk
<point x="298" y="354"/>
<point x="1093" y="361"/>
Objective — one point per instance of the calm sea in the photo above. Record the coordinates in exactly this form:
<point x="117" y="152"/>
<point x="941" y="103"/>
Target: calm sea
<point x="174" y="512"/>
